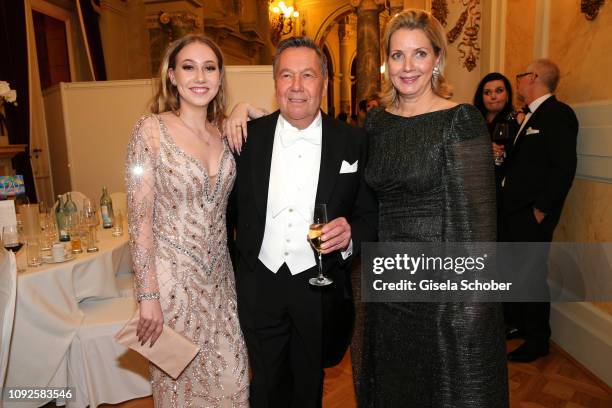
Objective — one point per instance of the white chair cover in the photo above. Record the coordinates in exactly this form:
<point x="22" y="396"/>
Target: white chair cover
<point x="8" y="296"/>
<point x="101" y="370"/>
<point x="125" y="285"/>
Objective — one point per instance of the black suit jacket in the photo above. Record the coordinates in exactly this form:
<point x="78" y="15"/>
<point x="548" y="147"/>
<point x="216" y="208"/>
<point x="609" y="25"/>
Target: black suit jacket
<point x="346" y="195"/>
<point x="540" y="166"/>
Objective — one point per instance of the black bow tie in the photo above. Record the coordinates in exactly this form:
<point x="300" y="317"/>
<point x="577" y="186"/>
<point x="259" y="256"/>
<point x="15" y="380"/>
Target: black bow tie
<point x="526" y="109"/>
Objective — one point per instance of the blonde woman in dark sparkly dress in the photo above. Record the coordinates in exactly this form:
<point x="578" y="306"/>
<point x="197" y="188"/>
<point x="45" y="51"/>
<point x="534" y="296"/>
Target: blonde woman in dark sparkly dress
<point x="430" y="164"/>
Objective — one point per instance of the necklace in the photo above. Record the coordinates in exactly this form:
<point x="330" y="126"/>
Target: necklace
<point x="200" y="136"/>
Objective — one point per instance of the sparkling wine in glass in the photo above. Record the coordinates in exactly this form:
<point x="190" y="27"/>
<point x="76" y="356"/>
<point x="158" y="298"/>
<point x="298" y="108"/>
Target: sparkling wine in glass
<point x="319" y="219"/>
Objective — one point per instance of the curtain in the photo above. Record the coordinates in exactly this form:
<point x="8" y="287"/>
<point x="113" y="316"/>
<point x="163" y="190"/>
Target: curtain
<point x="14" y="70"/>
<point x="89" y="17"/>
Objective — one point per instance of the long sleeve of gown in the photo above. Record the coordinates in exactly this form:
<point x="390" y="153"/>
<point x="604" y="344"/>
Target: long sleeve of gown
<point x="142" y="154"/>
<point x="470" y="210"/>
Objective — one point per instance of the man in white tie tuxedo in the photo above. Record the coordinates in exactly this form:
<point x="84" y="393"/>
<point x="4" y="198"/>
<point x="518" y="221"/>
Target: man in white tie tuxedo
<point x="294" y="158"/>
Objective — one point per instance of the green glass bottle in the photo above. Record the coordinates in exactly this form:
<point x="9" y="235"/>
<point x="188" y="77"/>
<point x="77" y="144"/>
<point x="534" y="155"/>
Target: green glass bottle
<point x="106" y="209"/>
<point x="70" y="208"/>
<point x="62" y="231"/>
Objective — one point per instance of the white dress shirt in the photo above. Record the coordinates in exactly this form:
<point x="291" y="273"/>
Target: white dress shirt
<point x="294" y="176"/>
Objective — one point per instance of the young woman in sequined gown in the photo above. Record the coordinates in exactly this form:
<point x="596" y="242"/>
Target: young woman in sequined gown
<point x="179" y="175"/>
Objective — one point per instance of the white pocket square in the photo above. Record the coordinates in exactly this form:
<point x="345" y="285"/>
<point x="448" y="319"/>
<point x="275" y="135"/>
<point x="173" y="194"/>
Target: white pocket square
<point x="347" y="167"/>
<point x="532" y="131"/>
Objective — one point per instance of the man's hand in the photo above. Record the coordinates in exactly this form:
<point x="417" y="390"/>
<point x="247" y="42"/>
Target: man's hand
<point x="539" y="215"/>
<point x="336" y="235"/>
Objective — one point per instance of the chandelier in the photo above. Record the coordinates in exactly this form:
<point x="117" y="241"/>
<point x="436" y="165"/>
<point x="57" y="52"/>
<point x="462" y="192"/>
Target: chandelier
<point x="282" y="20"/>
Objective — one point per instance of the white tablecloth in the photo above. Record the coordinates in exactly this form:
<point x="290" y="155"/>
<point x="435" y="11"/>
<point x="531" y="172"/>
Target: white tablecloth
<point x="47" y="314"/>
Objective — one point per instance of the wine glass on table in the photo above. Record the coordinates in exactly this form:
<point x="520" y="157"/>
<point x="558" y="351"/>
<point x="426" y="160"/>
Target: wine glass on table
<point x="10" y="239"/>
<point x="319" y="219"/>
<point x="91" y="220"/>
<point x="500" y="136"/>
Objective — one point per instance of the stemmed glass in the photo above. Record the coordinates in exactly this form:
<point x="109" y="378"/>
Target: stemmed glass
<point x="319" y="219"/>
<point x="91" y="219"/>
<point x="500" y="136"/>
<point x="47" y="230"/>
<point x="10" y="240"/>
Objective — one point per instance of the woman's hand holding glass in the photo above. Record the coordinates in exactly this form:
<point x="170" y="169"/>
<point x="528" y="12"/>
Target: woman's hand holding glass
<point x="498" y="153"/>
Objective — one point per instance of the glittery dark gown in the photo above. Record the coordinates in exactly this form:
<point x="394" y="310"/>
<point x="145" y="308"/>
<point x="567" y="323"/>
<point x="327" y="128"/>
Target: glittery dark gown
<point x="433" y="177"/>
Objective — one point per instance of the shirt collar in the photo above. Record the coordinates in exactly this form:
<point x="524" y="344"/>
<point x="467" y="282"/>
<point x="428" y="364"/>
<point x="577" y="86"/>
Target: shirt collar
<point x="536" y="103"/>
<point x="289" y="134"/>
<point x="285" y="125"/>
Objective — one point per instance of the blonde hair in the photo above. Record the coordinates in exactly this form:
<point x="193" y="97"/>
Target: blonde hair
<point x="167" y="97"/>
<point x="414" y="19"/>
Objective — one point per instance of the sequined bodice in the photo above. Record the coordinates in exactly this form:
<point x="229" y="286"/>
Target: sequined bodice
<point x="189" y="212"/>
<point x="178" y="241"/>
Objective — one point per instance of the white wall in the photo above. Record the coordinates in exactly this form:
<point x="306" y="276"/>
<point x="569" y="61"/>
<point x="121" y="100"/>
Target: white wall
<point x="89" y="124"/>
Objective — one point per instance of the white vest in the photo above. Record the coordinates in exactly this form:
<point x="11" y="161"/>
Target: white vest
<point x="294" y="176"/>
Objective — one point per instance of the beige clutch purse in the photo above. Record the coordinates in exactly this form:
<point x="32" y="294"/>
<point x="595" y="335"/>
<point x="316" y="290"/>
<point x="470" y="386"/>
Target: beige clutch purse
<point x="171" y="352"/>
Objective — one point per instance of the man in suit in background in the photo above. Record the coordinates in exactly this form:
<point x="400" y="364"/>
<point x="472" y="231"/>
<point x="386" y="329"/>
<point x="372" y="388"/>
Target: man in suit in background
<point x="540" y="168"/>
<point x="295" y="158"/>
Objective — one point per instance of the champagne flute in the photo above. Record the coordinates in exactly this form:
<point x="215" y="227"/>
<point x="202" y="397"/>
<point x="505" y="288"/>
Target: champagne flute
<point x="91" y="219"/>
<point x="319" y="219"/>
<point x="46" y="227"/>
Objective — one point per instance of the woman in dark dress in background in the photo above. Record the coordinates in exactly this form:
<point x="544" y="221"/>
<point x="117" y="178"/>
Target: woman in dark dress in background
<point x="493" y="98"/>
<point x="429" y="163"/>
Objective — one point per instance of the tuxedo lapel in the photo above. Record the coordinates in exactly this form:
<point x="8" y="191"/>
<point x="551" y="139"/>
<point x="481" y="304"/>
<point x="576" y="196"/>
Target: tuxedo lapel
<point x="260" y="161"/>
<point x="332" y="148"/>
<point x="533" y="119"/>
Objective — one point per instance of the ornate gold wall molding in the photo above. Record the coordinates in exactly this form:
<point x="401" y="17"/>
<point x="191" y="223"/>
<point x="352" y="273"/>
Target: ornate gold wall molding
<point x="468" y="25"/>
<point x="167" y="26"/>
<point x="439" y="8"/>
<point x="590" y="8"/>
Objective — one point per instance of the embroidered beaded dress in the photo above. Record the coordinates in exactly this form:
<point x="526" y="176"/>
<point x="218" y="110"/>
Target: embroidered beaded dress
<point x="178" y="244"/>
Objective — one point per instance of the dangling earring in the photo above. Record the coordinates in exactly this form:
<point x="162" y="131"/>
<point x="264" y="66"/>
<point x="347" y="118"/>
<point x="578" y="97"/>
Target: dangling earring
<point x="436" y="71"/>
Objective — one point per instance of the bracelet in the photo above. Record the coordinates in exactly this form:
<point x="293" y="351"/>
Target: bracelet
<point x="147" y="296"/>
